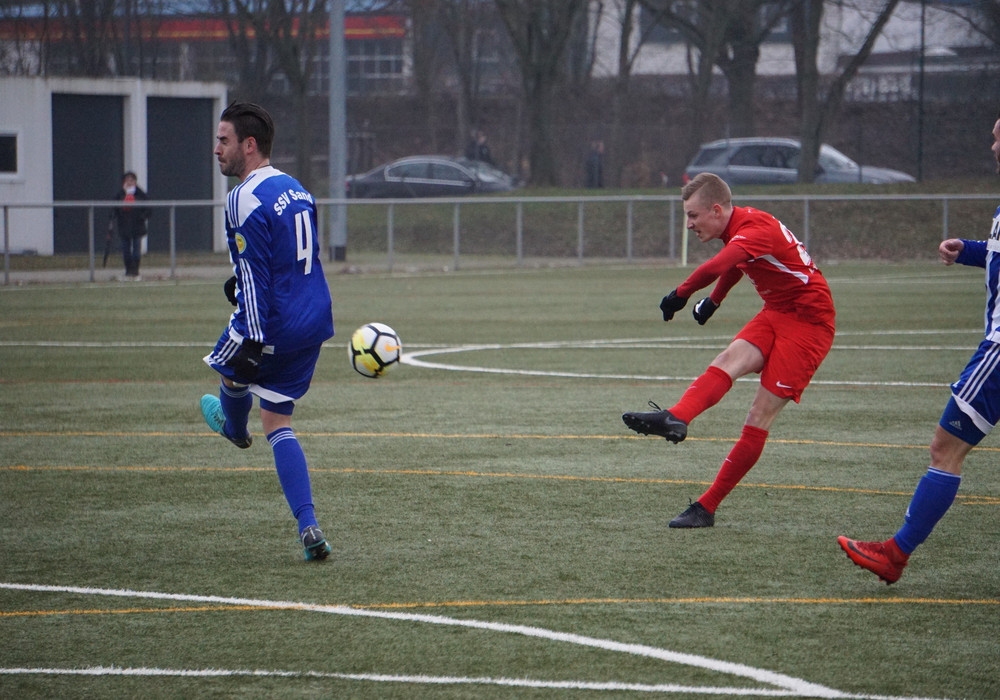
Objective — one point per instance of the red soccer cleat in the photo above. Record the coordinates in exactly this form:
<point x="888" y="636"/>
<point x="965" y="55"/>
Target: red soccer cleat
<point x="884" y="559"/>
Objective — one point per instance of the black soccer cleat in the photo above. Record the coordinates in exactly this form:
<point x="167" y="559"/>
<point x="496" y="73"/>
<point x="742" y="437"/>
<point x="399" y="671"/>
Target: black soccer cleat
<point x="694" y="516"/>
<point x="314" y="544"/>
<point x="656" y="422"/>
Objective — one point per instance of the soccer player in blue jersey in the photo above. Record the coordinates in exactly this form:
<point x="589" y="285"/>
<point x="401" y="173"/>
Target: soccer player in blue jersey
<point x="283" y="310"/>
<point x="969" y="416"/>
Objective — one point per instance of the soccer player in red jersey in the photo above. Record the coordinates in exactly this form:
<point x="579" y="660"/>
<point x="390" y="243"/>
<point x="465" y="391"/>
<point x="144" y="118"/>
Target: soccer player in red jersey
<point x="784" y="343"/>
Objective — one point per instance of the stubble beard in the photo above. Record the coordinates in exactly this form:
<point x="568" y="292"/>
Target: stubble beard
<point x="233" y="168"/>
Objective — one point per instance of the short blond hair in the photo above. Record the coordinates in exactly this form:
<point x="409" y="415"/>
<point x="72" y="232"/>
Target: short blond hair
<point x="712" y="187"/>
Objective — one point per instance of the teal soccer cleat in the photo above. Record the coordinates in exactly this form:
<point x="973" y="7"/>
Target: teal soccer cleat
<point x="314" y="544"/>
<point x="211" y="409"/>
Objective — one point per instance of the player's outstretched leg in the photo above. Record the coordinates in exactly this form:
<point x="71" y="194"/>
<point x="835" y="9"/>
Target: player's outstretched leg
<point x="704" y="392"/>
<point x="656" y="422"/>
<point x="884" y="559"/>
<point x="211" y="409"/>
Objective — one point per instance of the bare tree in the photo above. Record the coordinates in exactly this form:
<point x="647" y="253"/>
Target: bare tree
<point x="91" y="35"/>
<point x="26" y="42"/>
<point x="726" y="34"/>
<point x="474" y="32"/>
<point x="539" y="30"/>
<point x="294" y="28"/>
<point x="429" y="56"/>
<point x="983" y="17"/>
<point x="255" y="66"/>
<point x="102" y="38"/>
<point x="748" y="25"/>
<point x="816" y="109"/>
<point x="628" y="52"/>
<point x="272" y="37"/>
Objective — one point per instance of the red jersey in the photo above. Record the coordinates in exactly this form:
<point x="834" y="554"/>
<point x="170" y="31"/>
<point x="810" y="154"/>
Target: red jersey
<point x="759" y="246"/>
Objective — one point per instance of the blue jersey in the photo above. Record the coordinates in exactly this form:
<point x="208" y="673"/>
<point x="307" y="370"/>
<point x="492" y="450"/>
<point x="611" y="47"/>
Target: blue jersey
<point x="974" y="408"/>
<point x="986" y="254"/>
<point x="284" y="300"/>
<point x="283" y="304"/>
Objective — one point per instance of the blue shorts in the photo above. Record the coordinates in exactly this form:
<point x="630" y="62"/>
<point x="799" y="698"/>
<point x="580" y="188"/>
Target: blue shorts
<point x="283" y="378"/>
<point x="974" y="407"/>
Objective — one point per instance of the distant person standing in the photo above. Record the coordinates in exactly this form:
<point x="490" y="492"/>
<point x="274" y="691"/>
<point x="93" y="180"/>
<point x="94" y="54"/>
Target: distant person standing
<point x="283" y="312"/>
<point x="131" y="222"/>
<point x="595" y="165"/>
<point x="478" y="149"/>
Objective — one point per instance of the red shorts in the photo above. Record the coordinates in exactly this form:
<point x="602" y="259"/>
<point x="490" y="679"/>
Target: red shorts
<point x="792" y="348"/>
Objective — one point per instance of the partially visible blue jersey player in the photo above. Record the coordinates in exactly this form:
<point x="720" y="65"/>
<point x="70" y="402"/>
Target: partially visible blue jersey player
<point x="970" y="415"/>
<point x="283" y="310"/>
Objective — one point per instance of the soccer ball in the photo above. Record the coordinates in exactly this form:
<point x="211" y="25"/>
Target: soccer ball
<point x="373" y="349"/>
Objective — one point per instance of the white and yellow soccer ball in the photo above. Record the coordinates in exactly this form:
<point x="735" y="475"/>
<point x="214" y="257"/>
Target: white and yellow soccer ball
<point x="373" y="349"/>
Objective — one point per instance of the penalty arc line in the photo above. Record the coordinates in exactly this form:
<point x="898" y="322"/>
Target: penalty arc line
<point x="413" y="359"/>
<point x="788" y="684"/>
<point x="615" y="686"/>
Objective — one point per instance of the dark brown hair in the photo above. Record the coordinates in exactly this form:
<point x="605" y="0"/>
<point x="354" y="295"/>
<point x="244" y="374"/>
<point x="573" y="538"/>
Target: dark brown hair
<point x="251" y="120"/>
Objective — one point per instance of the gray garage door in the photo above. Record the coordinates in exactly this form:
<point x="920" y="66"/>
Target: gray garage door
<point x="181" y="136"/>
<point x="87" y="163"/>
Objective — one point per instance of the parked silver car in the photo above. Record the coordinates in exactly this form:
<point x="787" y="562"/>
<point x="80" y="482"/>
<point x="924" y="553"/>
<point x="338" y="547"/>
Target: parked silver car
<point x="429" y="176"/>
<point x="775" y="161"/>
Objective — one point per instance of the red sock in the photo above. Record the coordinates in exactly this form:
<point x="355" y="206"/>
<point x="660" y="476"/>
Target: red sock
<point x="704" y="392"/>
<point x="741" y="459"/>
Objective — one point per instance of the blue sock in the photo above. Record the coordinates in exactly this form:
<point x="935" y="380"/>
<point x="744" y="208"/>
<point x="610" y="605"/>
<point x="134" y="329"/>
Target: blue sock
<point x="293" y="474"/>
<point x="933" y="497"/>
<point x="236" y="404"/>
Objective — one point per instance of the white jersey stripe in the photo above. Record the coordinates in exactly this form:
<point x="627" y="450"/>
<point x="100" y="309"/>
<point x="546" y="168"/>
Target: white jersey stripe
<point x="801" y="276"/>
<point x="253" y="320"/>
<point x="981" y="374"/>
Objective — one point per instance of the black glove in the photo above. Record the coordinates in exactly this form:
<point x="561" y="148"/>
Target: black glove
<point x="230" y="289"/>
<point x="246" y="362"/>
<point x="672" y="304"/>
<point x="703" y="310"/>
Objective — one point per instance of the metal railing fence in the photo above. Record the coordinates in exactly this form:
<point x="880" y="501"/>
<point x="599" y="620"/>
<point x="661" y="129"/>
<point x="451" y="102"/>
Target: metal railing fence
<point x="863" y="219"/>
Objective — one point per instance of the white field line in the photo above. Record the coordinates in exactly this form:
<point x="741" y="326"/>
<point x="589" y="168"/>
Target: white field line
<point x="702" y="341"/>
<point x="415" y="359"/>
<point x="613" y="686"/>
<point x="415" y="352"/>
<point x="785" y="685"/>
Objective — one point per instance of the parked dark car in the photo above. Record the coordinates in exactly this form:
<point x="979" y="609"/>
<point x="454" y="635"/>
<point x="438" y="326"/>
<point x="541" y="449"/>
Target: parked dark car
<point x="775" y="161"/>
<point x="429" y="176"/>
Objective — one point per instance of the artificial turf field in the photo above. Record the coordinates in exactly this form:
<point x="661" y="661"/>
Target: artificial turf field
<point x="497" y="532"/>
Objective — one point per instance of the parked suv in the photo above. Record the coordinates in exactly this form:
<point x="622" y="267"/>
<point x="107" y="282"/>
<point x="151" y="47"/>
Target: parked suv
<point x="775" y="161"/>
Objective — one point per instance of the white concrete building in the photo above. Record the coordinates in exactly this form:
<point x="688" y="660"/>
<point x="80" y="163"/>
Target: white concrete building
<point x="69" y="139"/>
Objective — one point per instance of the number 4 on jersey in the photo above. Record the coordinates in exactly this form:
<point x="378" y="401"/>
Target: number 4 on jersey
<point x="304" y="239"/>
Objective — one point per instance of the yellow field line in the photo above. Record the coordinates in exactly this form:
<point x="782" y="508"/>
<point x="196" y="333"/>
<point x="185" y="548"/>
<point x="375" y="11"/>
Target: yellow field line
<point x="706" y="600"/>
<point x="460" y="436"/>
<point x="964" y="499"/>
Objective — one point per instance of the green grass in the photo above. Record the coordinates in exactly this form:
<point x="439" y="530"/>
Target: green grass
<point x="512" y="499"/>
